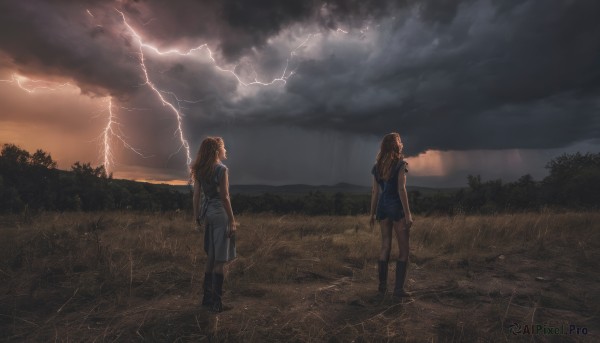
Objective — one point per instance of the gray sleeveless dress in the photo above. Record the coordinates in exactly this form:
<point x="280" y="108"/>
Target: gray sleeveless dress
<point x="216" y="242"/>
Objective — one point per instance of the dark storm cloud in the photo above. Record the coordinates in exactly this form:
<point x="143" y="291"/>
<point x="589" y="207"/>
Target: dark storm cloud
<point x="439" y="11"/>
<point x="236" y="26"/>
<point x="452" y="74"/>
<point x="468" y="75"/>
<point x="87" y="41"/>
<point x="61" y="39"/>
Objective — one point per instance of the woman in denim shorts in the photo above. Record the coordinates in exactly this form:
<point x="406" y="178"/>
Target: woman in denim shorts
<point x="389" y="206"/>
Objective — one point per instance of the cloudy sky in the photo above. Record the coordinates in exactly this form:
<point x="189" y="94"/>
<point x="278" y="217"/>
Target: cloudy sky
<point x="302" y="91"/>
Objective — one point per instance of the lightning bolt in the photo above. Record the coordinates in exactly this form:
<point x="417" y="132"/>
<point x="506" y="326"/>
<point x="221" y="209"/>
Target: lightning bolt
<point x="22" y="82"/>
<point x="178" y="115"/>
<point x="110" y="130"/>
<point x="284" y="76"/>
<point x="107" y="131"/>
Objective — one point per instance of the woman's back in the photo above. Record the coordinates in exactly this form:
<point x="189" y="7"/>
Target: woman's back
<point x="389" y="187"/>
<point x="210" y="187"/>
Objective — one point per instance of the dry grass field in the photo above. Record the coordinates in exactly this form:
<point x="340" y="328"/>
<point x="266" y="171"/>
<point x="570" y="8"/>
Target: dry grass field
<point x="119" y="277"/>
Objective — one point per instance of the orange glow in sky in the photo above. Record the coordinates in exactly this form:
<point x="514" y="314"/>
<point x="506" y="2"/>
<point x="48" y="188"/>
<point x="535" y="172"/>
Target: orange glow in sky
<point x="429" y="163"/>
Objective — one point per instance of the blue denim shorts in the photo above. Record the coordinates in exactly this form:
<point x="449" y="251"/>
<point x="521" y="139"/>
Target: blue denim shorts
<point x="391" y="209"/>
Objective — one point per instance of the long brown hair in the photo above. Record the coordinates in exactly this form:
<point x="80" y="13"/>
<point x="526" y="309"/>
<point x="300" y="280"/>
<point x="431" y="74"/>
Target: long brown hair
<point x="390" y="153"/>
<point x="208" y="154"/>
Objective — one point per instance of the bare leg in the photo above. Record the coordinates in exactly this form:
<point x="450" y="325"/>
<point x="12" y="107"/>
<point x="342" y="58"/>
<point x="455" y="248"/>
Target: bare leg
<point x="402" y="235"/>
<point x="386" y="239"/>
<point x="213" y="266"/>
<point x="218" y="267"/>
<point x="384" y="255"/>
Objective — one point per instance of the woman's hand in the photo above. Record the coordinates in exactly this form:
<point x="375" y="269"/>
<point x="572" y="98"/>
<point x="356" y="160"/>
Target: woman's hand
<point x="232" y="228"/>
<point x="372" y="222"/>
<point x="408" y="221"/>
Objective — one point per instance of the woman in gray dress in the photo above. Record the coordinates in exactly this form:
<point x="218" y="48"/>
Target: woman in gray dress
<point x="212" y="208"/>
<point x="389" y="206"/>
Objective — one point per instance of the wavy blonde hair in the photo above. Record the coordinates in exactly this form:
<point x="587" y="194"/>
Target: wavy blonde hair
<point x="390" y="153"/>
<point x="204" y="166"/>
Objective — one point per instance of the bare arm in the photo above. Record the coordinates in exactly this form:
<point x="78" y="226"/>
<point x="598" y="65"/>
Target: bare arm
<point x="374" y="196"/>
<point x="197" y="199"/>
<point x="224" y="193"/>
<point x="374" y="199"/>
<point x="404" y="196"/>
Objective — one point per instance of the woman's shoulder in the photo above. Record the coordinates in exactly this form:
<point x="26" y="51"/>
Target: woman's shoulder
<point x="402" y="164"/>
<point x="220" y="170"/>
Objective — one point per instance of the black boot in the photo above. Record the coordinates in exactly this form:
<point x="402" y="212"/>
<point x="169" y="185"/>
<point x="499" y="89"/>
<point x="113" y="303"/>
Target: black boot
<point x="399" y="291"/>
<point x="208" y="290"/>
<point x="383" y="273"/>
<point x="217" y="305"/>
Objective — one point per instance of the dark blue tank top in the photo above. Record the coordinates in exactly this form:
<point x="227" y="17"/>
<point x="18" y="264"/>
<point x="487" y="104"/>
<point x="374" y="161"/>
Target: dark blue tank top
<point x="389" y="188"/>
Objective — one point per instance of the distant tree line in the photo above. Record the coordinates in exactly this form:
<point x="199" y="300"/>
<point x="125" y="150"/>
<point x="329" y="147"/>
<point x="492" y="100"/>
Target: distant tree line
<point x="573" y="183"/>
<point x="32" y="182"/>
